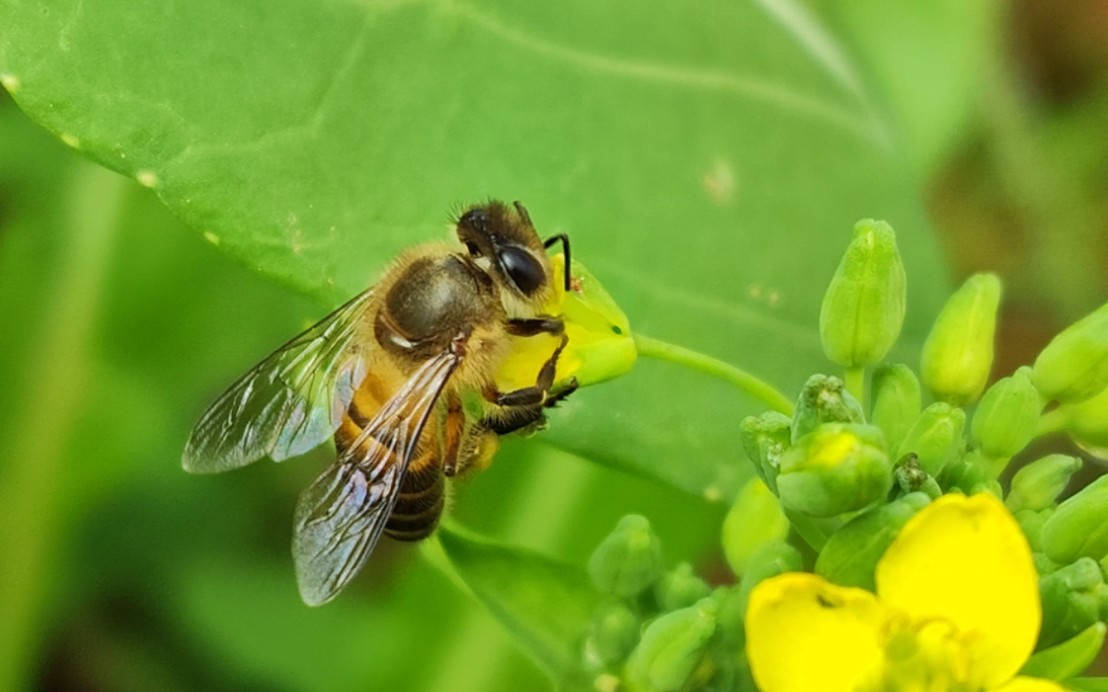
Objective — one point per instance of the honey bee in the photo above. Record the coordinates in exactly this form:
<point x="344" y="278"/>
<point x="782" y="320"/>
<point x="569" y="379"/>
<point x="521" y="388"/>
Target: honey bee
<point x="404" y="377"/>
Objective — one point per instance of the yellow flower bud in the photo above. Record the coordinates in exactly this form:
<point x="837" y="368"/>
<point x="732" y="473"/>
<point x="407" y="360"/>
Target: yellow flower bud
<point x="836" y="468"/>
<point x="755" y="518"/>
<point x="863" y="308"/>
<point x="958" y="354"/>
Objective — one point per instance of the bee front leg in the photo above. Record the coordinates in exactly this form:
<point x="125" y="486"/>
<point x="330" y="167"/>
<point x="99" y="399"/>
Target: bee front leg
<point x="533" y="326"/>
<point x="539" y="393"/>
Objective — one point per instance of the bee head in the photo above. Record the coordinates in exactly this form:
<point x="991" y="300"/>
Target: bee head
<point x="502" y="241"/>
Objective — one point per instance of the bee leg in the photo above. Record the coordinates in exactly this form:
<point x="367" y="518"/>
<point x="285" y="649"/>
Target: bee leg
<point x="453" y="430"/>
<point x="477" y="449"/>
<point x="536" y="395"/>
<point x="533" y="326"/>
<point x="569" y="388"/>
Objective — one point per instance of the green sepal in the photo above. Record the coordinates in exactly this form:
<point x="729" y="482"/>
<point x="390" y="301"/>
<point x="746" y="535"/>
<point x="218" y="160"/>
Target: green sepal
<point x="836" y="468"/>
<point x="935" y="438"/>
<point x="1068" y="659"/>
<point x="754" y="518"/>
<point x="958" y="354"/>
<point x="824" y="399"/>
<point x="765" y="438"/>
<point x="863" y="309"/>
<point x="850" y="555"/>
<point x="897" y="401"/>
<point x="1005" y="418"/>
<point x="1074" y="365"/>
<point x="1038" y="485"/>
<point x="1079" y="526"/>
<point x="628" y="560"/>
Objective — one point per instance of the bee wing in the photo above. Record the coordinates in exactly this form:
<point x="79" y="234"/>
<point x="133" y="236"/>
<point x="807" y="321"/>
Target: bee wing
<point x="287" y="404"/>
<point x="341" y="515"/>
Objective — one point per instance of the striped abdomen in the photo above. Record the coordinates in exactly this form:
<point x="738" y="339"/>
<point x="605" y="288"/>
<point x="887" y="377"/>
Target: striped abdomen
<point x="422" y="490"/>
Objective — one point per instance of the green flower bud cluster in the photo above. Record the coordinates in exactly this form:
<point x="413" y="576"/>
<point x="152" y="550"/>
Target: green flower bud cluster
<point x="859" y="456"/>
<point x="854" y="463"/>
<point x="660" y="629"/>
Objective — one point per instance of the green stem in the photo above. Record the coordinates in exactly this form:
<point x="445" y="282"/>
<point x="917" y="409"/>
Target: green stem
<point x="33" y="478"/>
<point x="747" y="383"/>
<point x="855" y="379"/>
<point x="1050" y="422"/>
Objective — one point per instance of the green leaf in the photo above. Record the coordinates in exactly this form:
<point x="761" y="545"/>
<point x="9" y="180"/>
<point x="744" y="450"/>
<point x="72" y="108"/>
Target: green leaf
<point x="708" y="164"/>
<point x="1088" y="684"/>
<point x="927" y="59"/>
<point x="1069" y="658"/>
<point x="546" y="605"/>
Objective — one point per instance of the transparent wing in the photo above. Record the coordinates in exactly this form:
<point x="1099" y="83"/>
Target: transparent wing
<point x="287" y="404"/>
<point x="341" y="515"/>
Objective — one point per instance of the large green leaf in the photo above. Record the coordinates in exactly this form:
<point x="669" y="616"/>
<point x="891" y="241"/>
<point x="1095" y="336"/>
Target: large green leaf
<point x="708" y="162"/>
<point x="545" y="604"/>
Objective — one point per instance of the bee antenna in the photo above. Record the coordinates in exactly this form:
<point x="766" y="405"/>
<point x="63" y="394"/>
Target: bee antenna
<point x="564" y="240"/>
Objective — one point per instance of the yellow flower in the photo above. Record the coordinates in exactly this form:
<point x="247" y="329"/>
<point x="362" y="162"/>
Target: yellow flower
<point x="956" y="608"/>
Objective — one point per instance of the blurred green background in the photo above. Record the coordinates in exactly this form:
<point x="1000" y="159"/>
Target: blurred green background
<point x="120" y="320"/>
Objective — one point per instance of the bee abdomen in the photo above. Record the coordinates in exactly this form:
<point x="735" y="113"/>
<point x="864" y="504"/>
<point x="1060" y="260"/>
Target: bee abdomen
<point x="421" y="499"/>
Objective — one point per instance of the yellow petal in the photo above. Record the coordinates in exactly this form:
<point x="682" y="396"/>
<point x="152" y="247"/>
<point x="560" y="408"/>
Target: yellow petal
<point x="803" y="633"/>
<point x="1022" y="684"/>
<point x="965" y="560"/>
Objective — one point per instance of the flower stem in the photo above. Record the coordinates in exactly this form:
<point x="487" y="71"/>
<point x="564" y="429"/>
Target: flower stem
<point x="855" y="379"/>
<point x="1049" y="423"/>
<point x="747" y="383"/>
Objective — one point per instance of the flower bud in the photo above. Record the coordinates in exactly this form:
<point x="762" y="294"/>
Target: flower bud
<point x="765" y="438"/>
<point x="896" y="401"/>
<point x="1071" y="599"/>
<point x="1031" y="523"/>
<point x="612" y="634"/>
<point x="1074" y="365"/>
<point x="1037" y="485"/>
<point x="754" y="519"/>
<point x="768" y="561"/>
<point x="680" y="588"/>
<point x="1005" y="419"/>
<point x="970" y="475"/>
<point x="935" y="438"/>
<point x="601" y="345"/>
<point x="958" y="354"/>
<point x="836" y="468"/>
<point x="672" y="654"/>
<point x="1079" y="526"/>
<point x="851" y="553"/>
<point x="863" y="308"/>
<point x="629" y="560"/>
<point x="824" y="399"/>
<point x="1068" y="659"/>
<point x="1087" y="423"/>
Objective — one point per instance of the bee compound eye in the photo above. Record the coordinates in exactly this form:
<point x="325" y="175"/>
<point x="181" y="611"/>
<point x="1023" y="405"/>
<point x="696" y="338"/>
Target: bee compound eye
<point x="522" y="269"/>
